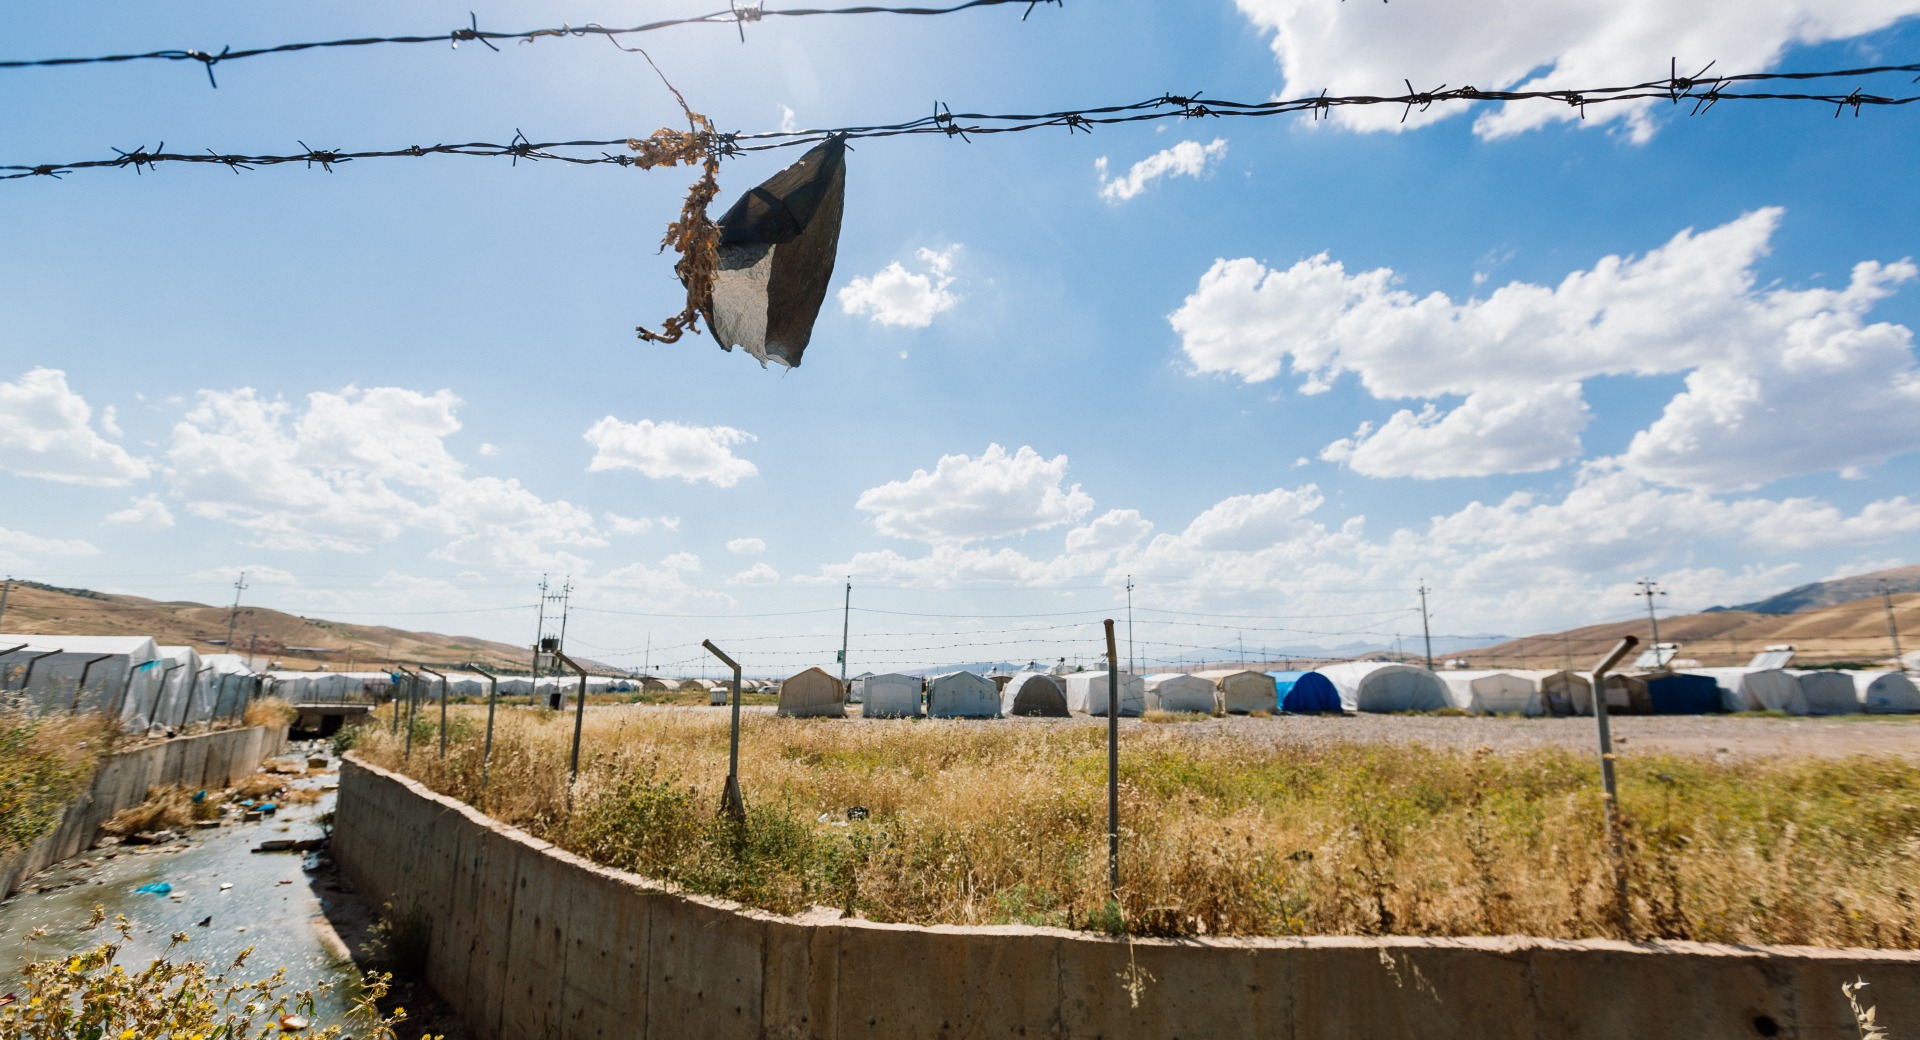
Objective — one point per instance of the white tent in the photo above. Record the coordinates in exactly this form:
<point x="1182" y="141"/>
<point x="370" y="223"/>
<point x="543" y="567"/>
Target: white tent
<point x="812" y="694"/>
<point x="1622" y="692"/>
<point x="515" y="687"/>
<point x="54" y="685"/>
<point x="1887" y="693"/>
<point x="962" y="695"/>
<point x="184" y="686"/>
<point x="1087" y="693"/>
<point x="857" y="688"/>
<point x="1561" y="691"/>
<point x="1379" y="686"/>
<point x="1769" y="689"/>
<point x="1493" y="693"/>
<point x="1175" y="691"/>
<point x="1242" y="692"/>
<point x="1033" y="693"/>
<point x="891" y="696"/>
<point x="1827" y="692"/>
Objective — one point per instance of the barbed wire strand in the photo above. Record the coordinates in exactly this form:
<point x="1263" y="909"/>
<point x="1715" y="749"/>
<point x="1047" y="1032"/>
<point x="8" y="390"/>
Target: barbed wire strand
<point x="738" y="15"/>
<point x="1703" y="94"/>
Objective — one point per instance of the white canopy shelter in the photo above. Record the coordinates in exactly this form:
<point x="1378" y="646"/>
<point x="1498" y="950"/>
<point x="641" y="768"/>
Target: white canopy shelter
<point x="962" y="695"/>
<point x="1243" y="692"/>
<point x="1494" y="693"/>
<point x="57" y="664"/>
<point x="1033" y="693"/>
<point x="1560" y="690"/>
<point x="1887" y="693"/>
<point x="1176" y="691"/>
<point x="1087" y="693"/>
<point x="891" y="696"/>
<point x="1828" y="692"/>
<point x="813" y="694"/>
<point x="1383" y="687"/>
<point x="1768" y="689"/>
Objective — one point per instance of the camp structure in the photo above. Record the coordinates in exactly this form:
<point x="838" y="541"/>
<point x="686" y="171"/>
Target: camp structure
<point x="188" y="674"/>
<point x="1033" y="693"/>
<point x="1493" y="693"/>
<point x="1766" y="689"/>
<point x="1561" y="691"/>
<point x="721" y="693"/>
<point x="694" y="686"/>
<point x="1383" y="687"/>
<point x="1828" y="692"/>
<point x="73" y="673"/>
<point x="1305" y="693"/>
<point x="1087" y="693"/>
<point x="1887" y="693"/>
<point x="1678" y="693"/>
<point x="1178" y="691"/>
<point x="891" y="696"/>
<point x="812" y="694"/>
<point x="962" y="695"/>
<point x="1000" y="679"/>
<point x="1622" y="691"/>
<point x="857" y="688"/>
<point x="1244" y="692"/>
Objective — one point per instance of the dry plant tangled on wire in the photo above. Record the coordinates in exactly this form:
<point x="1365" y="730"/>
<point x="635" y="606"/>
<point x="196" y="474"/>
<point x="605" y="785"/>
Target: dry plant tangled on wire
<point x="694" y="236"/>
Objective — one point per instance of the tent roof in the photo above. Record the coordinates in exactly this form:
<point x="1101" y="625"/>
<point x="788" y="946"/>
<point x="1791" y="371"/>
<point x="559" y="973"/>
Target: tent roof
<point x="139" y="648"/>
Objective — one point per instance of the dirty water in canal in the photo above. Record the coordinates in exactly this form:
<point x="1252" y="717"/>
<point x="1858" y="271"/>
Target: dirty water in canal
<point x="293" y="908"/>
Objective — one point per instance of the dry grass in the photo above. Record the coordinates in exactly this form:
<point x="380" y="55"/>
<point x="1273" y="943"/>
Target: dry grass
<point x="45" y="763"/>
<point x="165" y="808"/>
<point x="1005" y="822"/>
<point x="270" y="711"/>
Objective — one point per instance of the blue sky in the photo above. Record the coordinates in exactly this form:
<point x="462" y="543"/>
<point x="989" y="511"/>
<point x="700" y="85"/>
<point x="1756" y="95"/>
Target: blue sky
<point x="1280" y="372"/>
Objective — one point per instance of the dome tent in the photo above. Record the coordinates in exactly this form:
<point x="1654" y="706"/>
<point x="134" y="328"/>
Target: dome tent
<point x="1087" y="693"/>
<point x="1033" y="694"/>
<point x="1764" y="689"/>
<point x="891" y="696"/>
<point x="812" y="694"/>
<point x="1176" y="691"/>
<point x="1493" y="693"/>
<point x="1828" y="692"/>
<point x="962" y="695"/>
<point x="1382" y="687"/>
<point x="1886" y="693"/>
<point x="1243" y="692"/>
<point x="1560" y="691"/>
<point x="1677" y="693"/>
<point x="1622" y="693"/>
<point x="1305" y="693"/>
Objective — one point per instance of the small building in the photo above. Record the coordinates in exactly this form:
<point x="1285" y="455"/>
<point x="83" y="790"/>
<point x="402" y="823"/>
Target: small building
<point x="1033" y="694"/>
<point x="1762" y="689"/>
<point x="962" y="695"/>
<point x="1677" y="693"/>
<point x="813" y="693"/>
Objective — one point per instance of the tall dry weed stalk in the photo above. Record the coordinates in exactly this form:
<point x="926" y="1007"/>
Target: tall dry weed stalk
<point x="45" y="763"/>
<point x="973" y="823"/>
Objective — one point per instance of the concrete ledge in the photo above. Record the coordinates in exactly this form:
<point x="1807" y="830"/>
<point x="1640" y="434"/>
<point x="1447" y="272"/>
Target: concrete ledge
<point x="531" y="942"/>
<point x="207" y="760"/>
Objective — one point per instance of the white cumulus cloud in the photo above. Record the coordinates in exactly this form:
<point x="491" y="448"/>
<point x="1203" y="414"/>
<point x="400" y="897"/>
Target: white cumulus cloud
<point x="1372" y="48"/>
<point x="146" y="511"/>
<point x="46" y="431"/>
<point x="965" y="499"/>
<point x="20" y="549"/>
<point x="669" y="449"/>
<point x="1780" y="381"/>
<point x="747" y="546"/>
<point x="1186" y="159"/>
<point x="909" y="299"/>
<point x="758" y="574"/>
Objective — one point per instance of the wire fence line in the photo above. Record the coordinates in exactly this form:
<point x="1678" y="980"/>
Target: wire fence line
<point x="737" y="14"/>
<point x="1700" y="93"/>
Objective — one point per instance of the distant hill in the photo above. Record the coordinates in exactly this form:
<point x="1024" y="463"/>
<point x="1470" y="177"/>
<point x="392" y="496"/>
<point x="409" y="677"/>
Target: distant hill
<point x="1835" y="592"/>
<point x="1852" y="632"/>
<point x="291" y="641"/>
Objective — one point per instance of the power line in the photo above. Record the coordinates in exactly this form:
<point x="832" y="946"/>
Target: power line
<point x="738" y="15"/>
<point x="1703" y="94"/>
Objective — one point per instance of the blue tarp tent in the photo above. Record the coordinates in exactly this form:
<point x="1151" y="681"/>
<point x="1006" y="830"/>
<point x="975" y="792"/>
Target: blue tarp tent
<point x="1675" y="693"/>
<point x="1305" y="692"/>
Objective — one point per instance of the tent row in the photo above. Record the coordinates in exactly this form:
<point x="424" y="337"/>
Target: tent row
<point x="131" y="678"/>
<point x="967" y="695"/>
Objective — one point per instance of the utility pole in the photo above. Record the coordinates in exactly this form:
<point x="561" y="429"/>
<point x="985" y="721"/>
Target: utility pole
<point x="566" y="593"/>
<point x="846" y="623"/>
<point x="1243" y="650"/>
<point x="1426" y="628"/>
<point x="648" y="660"/>
<point x="1650" y="588"/>
<point x="1133" y="663"/>
<point x="1893" y="629"/>
<point x="234" y="614"/>
<point x="539" y="629"/>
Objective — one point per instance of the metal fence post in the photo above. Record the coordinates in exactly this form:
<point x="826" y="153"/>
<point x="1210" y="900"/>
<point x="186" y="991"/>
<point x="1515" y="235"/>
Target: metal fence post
<point x="493" y="698"/>
<point x="731" y="801"/>
<point x="443" y="708"/>
<point x="80" y="687"/>
<point x="1611" y="792"/>
<point x="1113" y="767"/>
<point x="579" y="718"/>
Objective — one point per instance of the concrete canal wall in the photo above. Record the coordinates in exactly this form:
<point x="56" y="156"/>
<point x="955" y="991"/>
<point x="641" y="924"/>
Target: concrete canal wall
<point x="208" y="760"/>
<point x="531" y="942"/>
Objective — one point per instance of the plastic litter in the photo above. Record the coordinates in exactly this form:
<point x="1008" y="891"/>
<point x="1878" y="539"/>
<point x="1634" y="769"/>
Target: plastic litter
<point x="158" y="888"/>
<point x="200" y="796"/>
<point x="293" y="1023"/>
<point x="224" y="885"/>
<point x="858" y="812"/>
<point x="268" y="808"/>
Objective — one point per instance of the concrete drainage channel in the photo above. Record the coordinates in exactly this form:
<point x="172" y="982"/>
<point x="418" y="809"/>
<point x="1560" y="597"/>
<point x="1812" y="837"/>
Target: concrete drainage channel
<point x="529" y="942"/>
<point x="259" y="879"/>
